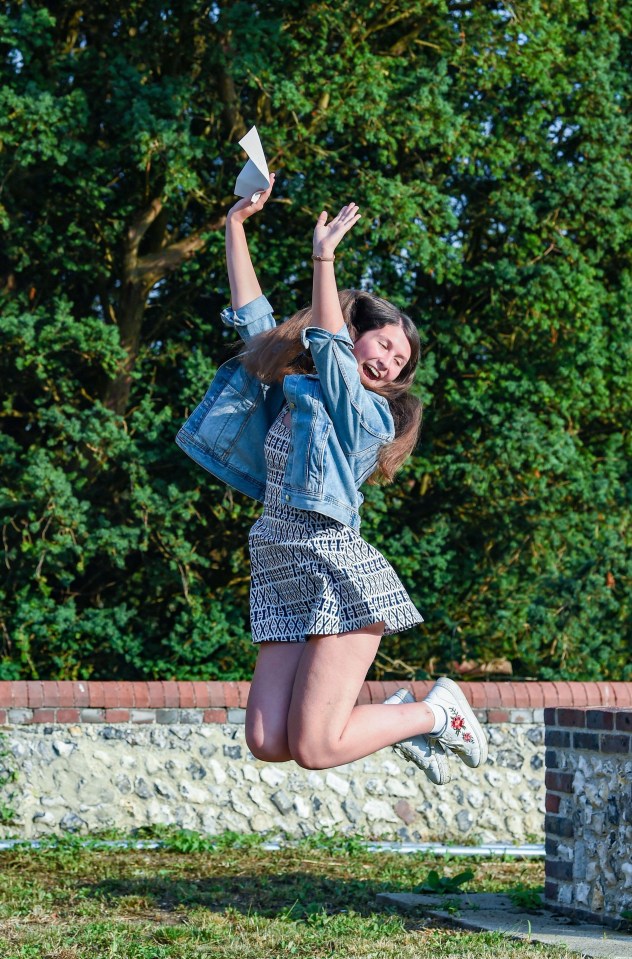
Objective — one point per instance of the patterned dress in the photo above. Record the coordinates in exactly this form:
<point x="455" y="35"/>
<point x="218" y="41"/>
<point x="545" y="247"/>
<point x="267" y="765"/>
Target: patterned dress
<point x="312" y="575"/>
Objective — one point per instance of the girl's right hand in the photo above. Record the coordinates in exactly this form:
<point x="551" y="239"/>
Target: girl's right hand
<point x="245" y="207"/>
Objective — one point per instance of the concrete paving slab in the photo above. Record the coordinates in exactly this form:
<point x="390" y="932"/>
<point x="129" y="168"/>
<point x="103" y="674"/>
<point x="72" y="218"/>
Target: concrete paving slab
<point x="494" y="912"/>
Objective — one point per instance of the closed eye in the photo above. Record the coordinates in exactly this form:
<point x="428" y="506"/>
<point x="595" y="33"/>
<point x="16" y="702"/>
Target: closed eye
<point x="387" y="345"/>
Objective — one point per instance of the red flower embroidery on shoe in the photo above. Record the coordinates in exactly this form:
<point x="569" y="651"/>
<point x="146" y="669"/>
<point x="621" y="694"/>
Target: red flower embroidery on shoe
<point x="468" y="738"/>
<point x="458" y="723"/>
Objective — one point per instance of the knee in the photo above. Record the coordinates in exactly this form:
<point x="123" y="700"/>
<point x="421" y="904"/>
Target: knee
<point x="267" y="745"/>
<point x="309" y="760"/>
<point x="310" y="754"/>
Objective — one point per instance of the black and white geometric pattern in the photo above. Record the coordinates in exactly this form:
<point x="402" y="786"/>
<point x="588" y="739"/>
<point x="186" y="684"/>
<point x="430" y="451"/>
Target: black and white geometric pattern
<point x="312" y="574"/>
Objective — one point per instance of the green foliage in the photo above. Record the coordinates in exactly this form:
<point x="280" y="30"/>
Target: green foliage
<point x="489" y="149"/>
<point x="187" y="841"/>
<point x="336" y="843"/>
<point x="439" y="885"/>
<point x="527" y="898"/>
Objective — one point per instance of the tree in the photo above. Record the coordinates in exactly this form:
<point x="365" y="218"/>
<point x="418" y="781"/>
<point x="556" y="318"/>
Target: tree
<point x="489" y="148"/>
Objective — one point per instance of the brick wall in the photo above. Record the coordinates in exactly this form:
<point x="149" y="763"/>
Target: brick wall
<point x="115" y="755"/>
<point x="588" y="823"/>
<point x="36" y="701"/>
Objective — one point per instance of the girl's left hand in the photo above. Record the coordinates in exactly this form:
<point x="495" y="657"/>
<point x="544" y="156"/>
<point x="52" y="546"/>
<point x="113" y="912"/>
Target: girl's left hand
<point x="327" y="236"/>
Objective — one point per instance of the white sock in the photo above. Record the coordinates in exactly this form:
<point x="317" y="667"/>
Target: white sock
<point x="440" y="719"/>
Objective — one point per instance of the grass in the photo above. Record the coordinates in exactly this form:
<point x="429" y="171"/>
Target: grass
<point x="316" y="899"/>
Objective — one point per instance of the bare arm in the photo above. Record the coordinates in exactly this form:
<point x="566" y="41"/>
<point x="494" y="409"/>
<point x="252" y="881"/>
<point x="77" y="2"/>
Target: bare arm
<point x="326" y="312"/>
<point x="244" y="285"/>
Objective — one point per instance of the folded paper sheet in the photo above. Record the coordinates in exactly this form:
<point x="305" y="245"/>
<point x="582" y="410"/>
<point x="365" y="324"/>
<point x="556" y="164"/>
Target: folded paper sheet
<point x="254" y="178"/>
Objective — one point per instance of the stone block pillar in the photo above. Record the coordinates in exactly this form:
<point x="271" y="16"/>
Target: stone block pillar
<point x="589" y="813"/>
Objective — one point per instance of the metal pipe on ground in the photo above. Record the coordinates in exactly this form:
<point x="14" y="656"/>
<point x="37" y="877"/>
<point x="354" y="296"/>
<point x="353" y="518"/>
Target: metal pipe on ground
<point x="523" y="851"/>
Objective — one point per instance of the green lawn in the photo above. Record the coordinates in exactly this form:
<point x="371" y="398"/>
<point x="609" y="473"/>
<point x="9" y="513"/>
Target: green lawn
<point x="191" y="900"/>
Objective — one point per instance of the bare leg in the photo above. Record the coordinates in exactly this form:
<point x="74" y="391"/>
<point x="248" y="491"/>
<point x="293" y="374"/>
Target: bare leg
<point x="324" y="727"/>
<point x="269" y="700"/>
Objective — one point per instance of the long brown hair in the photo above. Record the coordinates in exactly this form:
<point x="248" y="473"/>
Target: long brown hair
<point x="278" y="352"/>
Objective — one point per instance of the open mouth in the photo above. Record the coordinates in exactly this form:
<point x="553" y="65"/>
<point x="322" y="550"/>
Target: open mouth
<point x="370" y="372"/>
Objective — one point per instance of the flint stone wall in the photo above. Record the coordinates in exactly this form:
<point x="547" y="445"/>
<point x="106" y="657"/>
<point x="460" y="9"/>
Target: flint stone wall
<point x="589" y="813"/>
<point x="85" y="778"/>
<point x="91" y="756"/>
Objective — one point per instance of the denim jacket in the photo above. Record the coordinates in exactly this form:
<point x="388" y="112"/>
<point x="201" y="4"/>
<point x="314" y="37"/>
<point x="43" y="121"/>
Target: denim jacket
<point x="337" y="425"/>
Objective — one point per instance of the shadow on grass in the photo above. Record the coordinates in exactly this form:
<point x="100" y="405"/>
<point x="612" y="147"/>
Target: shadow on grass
<point x="301" y="893"/>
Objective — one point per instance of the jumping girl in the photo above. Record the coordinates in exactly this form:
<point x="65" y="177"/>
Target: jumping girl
<point x="307" y="412"/>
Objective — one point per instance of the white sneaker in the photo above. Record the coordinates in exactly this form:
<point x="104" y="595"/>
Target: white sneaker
<point x="426" y="753"/>
<point x="463" y="733"/>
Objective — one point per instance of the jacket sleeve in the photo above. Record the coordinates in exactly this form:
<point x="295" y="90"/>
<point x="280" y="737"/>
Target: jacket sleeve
<point x="353" y="409"/>
<point x="249" y="320"/>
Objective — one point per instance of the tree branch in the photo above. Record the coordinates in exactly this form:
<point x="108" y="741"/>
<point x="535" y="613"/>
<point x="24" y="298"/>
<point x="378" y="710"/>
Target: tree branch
<point x="137" y="230"/>
<point x="152" y="267"/>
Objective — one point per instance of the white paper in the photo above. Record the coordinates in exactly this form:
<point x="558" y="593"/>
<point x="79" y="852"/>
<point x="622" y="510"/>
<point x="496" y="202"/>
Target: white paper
<point x="254" y="178"/>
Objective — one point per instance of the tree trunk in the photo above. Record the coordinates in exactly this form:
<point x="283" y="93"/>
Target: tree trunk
<point x="140" y="274"/>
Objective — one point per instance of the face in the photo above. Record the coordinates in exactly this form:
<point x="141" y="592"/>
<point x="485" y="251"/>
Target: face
<point x="381" y="354"/>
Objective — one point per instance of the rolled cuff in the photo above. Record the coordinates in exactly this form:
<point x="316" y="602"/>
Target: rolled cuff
<point x="315" y="334"/>
<point x="245" y="315"/>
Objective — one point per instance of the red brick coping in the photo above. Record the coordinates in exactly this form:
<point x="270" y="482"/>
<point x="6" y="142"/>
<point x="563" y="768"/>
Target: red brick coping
<point x="210" y="702"/>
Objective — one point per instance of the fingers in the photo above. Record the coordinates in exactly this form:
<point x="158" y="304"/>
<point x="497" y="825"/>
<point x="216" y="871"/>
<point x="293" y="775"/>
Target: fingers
<point x="261" y="199"/>
<point x="346" y="219"/>
<point x="345" y="216"/>
<point x="348" y="212"/>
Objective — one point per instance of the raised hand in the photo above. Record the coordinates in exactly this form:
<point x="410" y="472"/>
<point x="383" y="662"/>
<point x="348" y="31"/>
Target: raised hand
<point x="327" y="236"/>
<point x="245" y="207"/>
